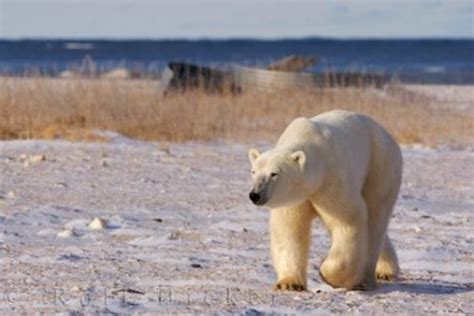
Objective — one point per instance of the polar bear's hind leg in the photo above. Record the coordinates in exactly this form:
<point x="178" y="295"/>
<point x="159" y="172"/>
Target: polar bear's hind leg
<point x="347" y="259"/>
<point x="380" y="193"/>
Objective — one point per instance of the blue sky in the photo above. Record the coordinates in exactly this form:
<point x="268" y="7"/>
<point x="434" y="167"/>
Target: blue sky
<point x="235" y="18"/>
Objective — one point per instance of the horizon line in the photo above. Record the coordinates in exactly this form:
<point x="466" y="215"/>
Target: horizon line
<point x="243" y="38"/>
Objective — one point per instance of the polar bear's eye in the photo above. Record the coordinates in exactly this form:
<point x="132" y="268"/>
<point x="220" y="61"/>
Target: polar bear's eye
<point x="273" y="174"/>
<point x="253" y="171"/>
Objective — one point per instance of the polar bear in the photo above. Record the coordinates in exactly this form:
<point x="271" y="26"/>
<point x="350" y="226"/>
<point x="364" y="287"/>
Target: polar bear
<point x="346" y="169"/>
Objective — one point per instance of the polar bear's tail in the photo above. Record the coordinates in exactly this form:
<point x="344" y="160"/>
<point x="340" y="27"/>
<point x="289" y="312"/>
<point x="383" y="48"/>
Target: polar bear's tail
<point x="387" y="264"/>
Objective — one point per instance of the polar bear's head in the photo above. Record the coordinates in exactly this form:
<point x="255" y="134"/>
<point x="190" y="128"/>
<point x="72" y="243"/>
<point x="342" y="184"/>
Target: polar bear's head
<point x="277" y="178"/>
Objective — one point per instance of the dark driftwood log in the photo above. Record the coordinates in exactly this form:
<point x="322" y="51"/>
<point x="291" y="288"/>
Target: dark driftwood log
<point x="252" y="78"/>
<point x="189" y="76"/>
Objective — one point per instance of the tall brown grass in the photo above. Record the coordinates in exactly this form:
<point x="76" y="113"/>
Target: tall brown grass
<point x="73" y="109"/>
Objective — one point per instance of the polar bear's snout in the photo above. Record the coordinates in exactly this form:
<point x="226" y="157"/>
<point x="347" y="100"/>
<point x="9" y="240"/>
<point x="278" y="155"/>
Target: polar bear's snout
<point x="254" y="197"/>
<point x="261" y="190"/>
<point x="258" y="198"/>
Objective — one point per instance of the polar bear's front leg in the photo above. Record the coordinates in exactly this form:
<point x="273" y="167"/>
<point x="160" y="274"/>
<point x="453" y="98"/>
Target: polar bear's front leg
<point x="346" y="262"/>
<point x="290" y="230"/>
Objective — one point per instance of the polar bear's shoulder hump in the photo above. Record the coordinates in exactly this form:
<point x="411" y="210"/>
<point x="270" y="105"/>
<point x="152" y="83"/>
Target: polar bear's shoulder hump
<point x="335" y="115"/>
<point x="301" y="125"/>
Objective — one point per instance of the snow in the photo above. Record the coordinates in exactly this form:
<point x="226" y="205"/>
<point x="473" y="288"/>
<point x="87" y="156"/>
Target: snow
<point x="182" y="236"/>
<point x="456" y="97"/>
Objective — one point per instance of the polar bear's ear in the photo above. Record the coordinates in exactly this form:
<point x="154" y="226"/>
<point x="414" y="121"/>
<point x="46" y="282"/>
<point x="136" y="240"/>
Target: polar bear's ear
<point x="253" y="155"/>
<point x="299" y="157"/>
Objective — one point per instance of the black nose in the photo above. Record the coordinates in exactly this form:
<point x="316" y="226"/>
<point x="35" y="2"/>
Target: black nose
<point x="254" y="197"/>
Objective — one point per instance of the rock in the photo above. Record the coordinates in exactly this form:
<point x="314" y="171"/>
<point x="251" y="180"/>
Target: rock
<point x="67" y="74"/>
<point x="66" y="233"/>
<point x="28" y="160"/>
<point x="11" y="194"/>
<point x="97" y="223"/>
<point x="37" y="158"/>
<point x="174" y="235"/>
<point x="103" y="163"/>
<point x="117" y="73"/>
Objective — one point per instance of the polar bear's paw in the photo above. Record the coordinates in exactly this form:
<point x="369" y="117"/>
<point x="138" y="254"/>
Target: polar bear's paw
<point x="385" y="276"/>
<point x="386" y="270"/>
<point x="289" y="284"/>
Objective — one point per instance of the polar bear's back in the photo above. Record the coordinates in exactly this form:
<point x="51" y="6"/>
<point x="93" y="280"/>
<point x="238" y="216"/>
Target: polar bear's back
<point x="354" y="142"/>
<point x="327" y="127"/>
<point x="341" y="127"/>
<point x="351" y="124"/>
<point x="335" y="116"/>
<point x="363" y="141"/>
<point x="353" y="128"/>
<point x="339" y="119"/>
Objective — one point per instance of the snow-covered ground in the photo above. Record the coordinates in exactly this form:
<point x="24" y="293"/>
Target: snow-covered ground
<point x="455" y="97"/>
<point x="183" y="237"/>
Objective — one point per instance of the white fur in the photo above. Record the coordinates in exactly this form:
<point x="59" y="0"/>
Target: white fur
<point x="345" y="168"/>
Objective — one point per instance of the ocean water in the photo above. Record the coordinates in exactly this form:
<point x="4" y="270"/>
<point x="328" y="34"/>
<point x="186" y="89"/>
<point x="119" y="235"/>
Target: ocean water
<point x="421" y="61"/>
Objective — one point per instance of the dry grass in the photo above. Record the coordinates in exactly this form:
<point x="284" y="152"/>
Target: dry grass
<point x="71" y="109"/>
